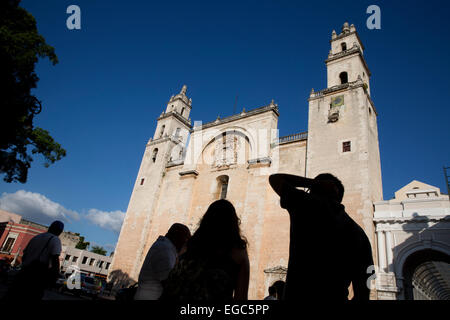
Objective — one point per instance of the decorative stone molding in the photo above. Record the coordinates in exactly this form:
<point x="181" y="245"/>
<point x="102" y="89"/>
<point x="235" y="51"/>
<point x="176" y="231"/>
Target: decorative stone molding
<point x="348" y="52"/>
<point x="411" y="220"/>
<point x="183" y="120"/>
<point x="333" y="114"/>
<point x="172" y="138"/>
<point x="226" y="151"/>
<point x="340" y="87"/>
<point x="259" y="162"/>
<point x="242" y="115"/>
<point x="193" y="173"/>
<point x="343" y="35"/>
<point x="277" y="270"/>
<point x="182" y="96"/>
<point x="175" y="163"/>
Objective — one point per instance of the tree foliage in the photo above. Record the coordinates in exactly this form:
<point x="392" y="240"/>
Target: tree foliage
<point x="21" y="46"/>
<point x="81" y="243"/>
<point x="98" y="250"/>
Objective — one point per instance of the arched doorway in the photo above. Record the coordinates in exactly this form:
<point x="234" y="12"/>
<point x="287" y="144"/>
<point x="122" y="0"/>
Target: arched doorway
<point x="426" y="276"/>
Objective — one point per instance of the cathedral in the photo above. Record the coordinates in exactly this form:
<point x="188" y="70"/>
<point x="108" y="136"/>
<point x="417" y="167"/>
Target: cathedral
<point x="186" y="166"/>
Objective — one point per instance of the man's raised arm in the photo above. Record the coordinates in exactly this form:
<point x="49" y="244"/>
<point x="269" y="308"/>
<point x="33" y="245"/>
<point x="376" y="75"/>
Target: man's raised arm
<point x="282" y="182"/>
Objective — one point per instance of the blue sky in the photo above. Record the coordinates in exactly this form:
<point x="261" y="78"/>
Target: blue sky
<point x="117" y="73"/>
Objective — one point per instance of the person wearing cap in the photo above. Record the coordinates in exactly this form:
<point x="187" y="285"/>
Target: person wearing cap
<point x="40" y="265"/>
<point x="160" y="260"/>
<point x="328" y="251"/>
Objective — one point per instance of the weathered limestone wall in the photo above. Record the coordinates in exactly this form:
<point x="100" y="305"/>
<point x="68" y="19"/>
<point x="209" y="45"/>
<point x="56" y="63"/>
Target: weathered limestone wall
<point x="186" y="198"/>
<point x="356" y="169"/>
<point x="183" y="191"/>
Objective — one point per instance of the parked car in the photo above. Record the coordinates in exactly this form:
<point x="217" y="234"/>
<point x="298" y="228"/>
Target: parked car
<point x="89" y="286"/>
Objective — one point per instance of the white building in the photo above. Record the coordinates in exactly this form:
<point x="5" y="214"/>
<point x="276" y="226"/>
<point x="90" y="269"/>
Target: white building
<point x="413" y="240"/>
<point x="87" y="262"/>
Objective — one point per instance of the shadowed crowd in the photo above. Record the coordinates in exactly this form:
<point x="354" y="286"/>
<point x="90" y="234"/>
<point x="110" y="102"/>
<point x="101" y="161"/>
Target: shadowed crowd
<point x="212" y="264"/>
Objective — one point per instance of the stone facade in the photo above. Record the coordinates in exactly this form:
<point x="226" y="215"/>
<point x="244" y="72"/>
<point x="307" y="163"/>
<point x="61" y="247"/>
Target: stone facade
<point x="417" y="220"/>
<point x="186" y="167"/>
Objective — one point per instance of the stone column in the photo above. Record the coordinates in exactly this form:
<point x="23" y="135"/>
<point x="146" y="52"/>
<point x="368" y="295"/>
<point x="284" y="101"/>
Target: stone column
<point x="390" y="259"/>
<point x="381" y="251"/>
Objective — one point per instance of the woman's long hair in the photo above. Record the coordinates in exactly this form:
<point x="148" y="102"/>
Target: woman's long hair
<point x="218" y="231"/>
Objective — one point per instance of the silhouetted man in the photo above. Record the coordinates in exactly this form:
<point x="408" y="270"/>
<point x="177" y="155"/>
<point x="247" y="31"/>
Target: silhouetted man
<point x="272" y="293"/>
<point x="160" y="260"/>
<point x="40" y="265"/>
<point x="327" y="250"/>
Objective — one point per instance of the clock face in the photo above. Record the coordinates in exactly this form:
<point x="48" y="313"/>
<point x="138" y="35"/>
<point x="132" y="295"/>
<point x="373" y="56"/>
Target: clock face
<point x="337" y="101"/>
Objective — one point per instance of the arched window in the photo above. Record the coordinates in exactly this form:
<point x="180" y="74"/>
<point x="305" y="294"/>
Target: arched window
<point x="343" y="46"/>
<point x="182" y="111"/>
<point x="344" y="77"/>
<point x="155" y="152"/>
<point x="223" y="186"/>
<point x="162" y="130"/>
<point x="177" y="132"/>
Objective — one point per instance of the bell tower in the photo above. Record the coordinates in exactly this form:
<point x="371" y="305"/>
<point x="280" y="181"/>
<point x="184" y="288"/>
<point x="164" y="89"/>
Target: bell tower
<point x="342" y="129"/>
<point x="166" y="147"/>
<point x="345" y="61"/>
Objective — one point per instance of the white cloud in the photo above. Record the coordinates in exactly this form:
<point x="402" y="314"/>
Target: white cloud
<point x="111" y="220"/>
<point x="36" y="207"/>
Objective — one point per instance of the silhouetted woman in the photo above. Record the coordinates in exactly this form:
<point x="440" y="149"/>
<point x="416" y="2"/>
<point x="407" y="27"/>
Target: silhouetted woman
<point x="215" y="265"/>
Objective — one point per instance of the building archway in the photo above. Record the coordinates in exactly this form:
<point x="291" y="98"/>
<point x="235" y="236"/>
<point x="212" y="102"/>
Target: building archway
<point x="426" y="276"/>
<point x="216" y="136"/>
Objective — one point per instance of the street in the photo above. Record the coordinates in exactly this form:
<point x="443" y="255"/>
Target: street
<point x="54" y="295"/>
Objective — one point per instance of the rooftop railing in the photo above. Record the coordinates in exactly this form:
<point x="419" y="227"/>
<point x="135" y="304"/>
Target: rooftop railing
<point x="293" y="137"/>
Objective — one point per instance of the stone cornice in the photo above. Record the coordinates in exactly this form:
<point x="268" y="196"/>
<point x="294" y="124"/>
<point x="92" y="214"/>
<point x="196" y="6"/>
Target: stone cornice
<point x="343" y="35"/>
<point x="341" y="87"/>
<point x="349" y="52"/>
<point x="408" y="201"/>
<point x="174" y="163"/>
<point x="173" y="139"/>
<point x="342" y="54"/>
<point x="278" y="270"/>
<point x="188" y="173"/>
<point x="177" y="116"/>
<point x="420" y="219"/>
<point x="184" y="99"/>
<point x="242" y="115"/>
<point x="259" y="162"/>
